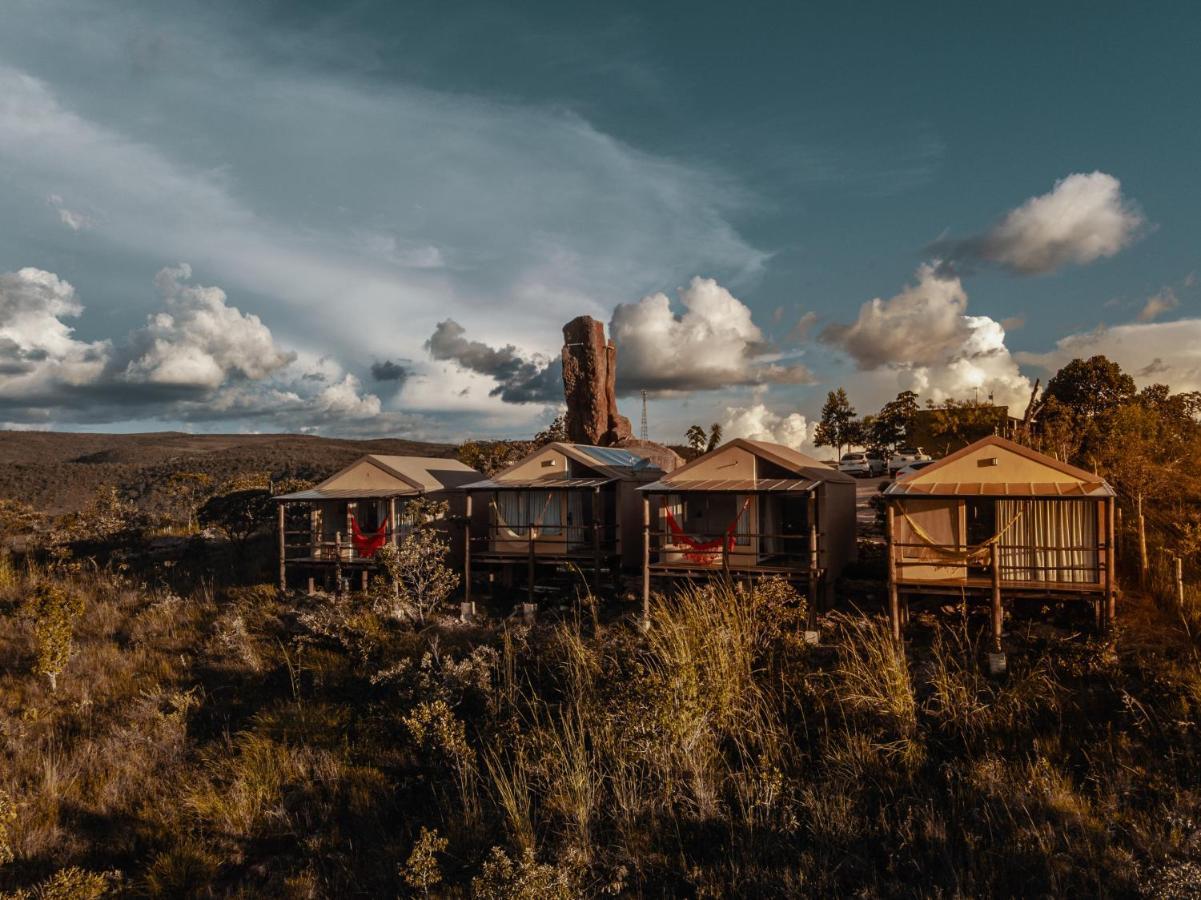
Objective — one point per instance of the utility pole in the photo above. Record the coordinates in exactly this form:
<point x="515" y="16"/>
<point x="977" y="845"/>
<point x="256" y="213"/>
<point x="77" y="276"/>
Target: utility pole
<point x="644" y="431"/>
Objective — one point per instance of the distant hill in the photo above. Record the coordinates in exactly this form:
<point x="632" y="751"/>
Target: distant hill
<point x="57" y="472"/>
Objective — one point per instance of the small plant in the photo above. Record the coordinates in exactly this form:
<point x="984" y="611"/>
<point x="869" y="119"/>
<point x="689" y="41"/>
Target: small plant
<point x="8" y="818"/>
<point x="524" y="879"/>
<point x="417" y="578"/>
<point x="53" y="608"/>
<point x="72" y="883"/>
<point x="421" y="871"/>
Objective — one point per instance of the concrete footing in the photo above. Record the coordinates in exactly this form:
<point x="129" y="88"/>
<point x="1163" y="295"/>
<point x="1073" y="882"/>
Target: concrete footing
<point x="997" y="663"/>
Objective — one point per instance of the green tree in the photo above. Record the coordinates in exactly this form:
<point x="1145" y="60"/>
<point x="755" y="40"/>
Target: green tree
<point x="241" y="508"/>
<point x="715" y="437"/>
<point x="187" y="491"/>
<point x="838" y="426"/>
<point x="1079" y="400"/>
<point x="53" y="609"/>
<point x="416" y="577"/>
<point x="697" y="439"/>
<point x="894" y="424"/>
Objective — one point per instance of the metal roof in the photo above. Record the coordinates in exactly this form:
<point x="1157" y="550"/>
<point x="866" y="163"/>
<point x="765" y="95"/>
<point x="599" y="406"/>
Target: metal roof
<point x="1003" y="489"/>
<point x="543" y="484"/>
<point x="613" y="456"/>
<point x="348" y="494"/>
<point x="732" y="485"/>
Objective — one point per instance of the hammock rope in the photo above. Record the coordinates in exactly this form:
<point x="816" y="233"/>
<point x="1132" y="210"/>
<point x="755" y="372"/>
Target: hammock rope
<point x="366" y="545"/>
<point x="979" y="555"/>
<point x="704" y="552"/>
<point x="534" y="527"/>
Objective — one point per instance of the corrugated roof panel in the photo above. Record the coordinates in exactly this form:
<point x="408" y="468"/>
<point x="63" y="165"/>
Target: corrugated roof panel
<point x="313" y="494"/>
<point x="613" y="456"/>
<point x="1011" y="489"/>
<point x="731" y="485"/>
<point x="544" y="484"/>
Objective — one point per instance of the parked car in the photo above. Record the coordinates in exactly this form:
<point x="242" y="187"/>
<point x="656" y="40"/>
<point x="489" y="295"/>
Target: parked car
<point x="912" y="467"/>
<point x="861" y="465"/>
<point x="903" y="456"/>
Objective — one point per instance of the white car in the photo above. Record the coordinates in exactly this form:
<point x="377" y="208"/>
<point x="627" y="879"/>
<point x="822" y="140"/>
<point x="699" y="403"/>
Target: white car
<point x="903" y="456"/>
<point x="861" y="465"/>
<point x="912" y="467"/>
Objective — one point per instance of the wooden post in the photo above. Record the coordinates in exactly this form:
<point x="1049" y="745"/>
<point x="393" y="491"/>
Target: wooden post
<point x="894" y="605"/>
<point x="814" y="561"/>
<point x="392" y="523"/>
<point x="312" y="586"/>
<point x="363" y="580"/>
<point x="998" y="611"/>
<point x="725" y="559"/>
<point x="646" y="560"/>
<point x="1179" y="566"/>
<point x="467" y="552"/>
<point x="530" y="566"/>
<point x="338" y="563"/>
<point x="596" y="543"/>
<point x="1143" y="565"/>
<point x="283" y="549"/>
<point x="351" y="508"/>
<point x="1111" y="563"/>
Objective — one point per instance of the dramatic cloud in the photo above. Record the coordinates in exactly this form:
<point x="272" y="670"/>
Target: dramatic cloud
<point x="198" y="340"/>
<point x="197" y="360"/>
<point x="714" y="344"/>
<point x="1153" y="352"/>
<point x="1082" y="219"/>
<point x="519" y="378"/>
<point x="924" y="337"/>
<point x="387" y="370"/>
<point x="1158" y="304"/>
<point x="760" y="423"/>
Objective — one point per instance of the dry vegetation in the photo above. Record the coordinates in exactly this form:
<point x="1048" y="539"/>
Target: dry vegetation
<point x="231" y="741"/>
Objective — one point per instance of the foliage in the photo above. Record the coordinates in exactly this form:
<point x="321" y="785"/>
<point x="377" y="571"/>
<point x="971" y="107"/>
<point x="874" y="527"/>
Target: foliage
<point x="8" y="817"/>
<point x="524" y="879"/>
<point x="187" y="490"/>
<point x="108" y="517"/>
<point x="240" y="508"/>
<point x="491" y="457"/>
<point x="53" y="608"/>
<point x="417" y="578"/>
<point x="894" y="423"/>
<point x="72" y="883"/>
<point x="421" y="871"/>
<point x="838" y="427"/>
<point x="957" y="423"/>
<point x="17" y="518"/>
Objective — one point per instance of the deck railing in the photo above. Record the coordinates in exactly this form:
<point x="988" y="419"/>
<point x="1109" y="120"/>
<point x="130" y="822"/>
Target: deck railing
<point x="984" y="558"/>
<point x="746" y="550"/>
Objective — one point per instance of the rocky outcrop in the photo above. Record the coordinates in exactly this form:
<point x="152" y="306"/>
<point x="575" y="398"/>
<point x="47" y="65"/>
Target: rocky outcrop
<point x="660" y="456"/>
<point x="590" y="385"/>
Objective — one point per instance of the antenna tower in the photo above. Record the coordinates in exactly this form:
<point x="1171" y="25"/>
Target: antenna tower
<point x="644" y="432"/>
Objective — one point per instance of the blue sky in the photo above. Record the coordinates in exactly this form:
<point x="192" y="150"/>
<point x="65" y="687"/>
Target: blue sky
<point x="375" y="218"/>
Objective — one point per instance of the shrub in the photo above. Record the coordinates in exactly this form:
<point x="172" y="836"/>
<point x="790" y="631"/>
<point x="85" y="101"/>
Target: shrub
<point x="53" y="607"/>
<point x="416" y="577"/>
<point x="421" y="871"/>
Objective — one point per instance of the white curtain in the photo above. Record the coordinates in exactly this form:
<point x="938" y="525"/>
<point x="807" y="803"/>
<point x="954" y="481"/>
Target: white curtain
<point x="769" y="528"/>
<point x="674" y="504"/>
<point x="547" y="508"/>
<point x="578" y="532"/>
<point x="742" y="529"/>
<point x="512" y="513"/>
<point x="1050" y="540"/>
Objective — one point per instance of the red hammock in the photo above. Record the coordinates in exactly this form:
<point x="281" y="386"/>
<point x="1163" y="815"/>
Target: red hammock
<point x="704" y="552"/>
<point x="365" y="545"/>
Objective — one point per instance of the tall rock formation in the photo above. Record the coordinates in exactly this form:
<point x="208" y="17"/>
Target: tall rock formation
<point x="590" y="384"/>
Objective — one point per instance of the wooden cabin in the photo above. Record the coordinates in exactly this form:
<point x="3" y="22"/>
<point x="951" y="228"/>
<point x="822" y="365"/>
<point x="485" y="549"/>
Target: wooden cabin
<point x="997" y="518"/>
<point x="336" y="527"/>
<point x="563" y="508"/>
<point x="750" y="508"/>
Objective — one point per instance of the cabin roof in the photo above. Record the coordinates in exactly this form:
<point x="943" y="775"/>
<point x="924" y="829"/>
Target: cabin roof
<point x="810" y="470"/>
<point x="411" y="476"/>
<point x="609" y="464"/>
<point x="945" y="478"/>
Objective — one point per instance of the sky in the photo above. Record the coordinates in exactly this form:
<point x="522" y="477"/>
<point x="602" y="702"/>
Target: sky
<point x="373" y="218"/>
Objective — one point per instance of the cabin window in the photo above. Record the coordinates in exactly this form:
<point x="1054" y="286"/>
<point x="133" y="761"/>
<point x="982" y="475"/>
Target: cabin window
<point x="548" y="512"/>
<point x="1048" y="540"/>
<point x="512" y="509"/>
<point x="742" y="528"/>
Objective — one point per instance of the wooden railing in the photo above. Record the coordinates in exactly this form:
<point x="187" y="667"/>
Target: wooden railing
<point x="798" y="552"/>
<point x="984" y="557"/>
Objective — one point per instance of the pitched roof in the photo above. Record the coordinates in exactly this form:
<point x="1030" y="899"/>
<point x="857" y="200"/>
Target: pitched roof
<point x="785" y="457"/>
<point x="609" y="463"/>
<point x="927" y="480"/>
<point x="412" y="475"/>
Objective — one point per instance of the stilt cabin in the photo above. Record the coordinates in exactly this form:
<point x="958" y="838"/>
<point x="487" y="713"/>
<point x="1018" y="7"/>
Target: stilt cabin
<point x="751" y="508"/>
<point x="564" y="509"/>
<point x="332" y="531"/>
<point x="998" y="518"/>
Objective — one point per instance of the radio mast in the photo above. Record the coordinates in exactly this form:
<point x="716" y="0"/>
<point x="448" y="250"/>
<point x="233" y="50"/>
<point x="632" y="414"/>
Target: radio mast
<point x="644" y="432"/>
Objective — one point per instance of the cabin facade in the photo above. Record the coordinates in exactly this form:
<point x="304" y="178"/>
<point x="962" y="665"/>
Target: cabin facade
<point x="336" y="527"/>
<point x="997" y="518"/>
<point x="750" y="508"/>
<point x="563" y="507"/>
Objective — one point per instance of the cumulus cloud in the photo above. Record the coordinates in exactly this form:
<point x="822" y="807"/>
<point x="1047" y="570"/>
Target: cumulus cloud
<point x="519" y="378"/>
<point x="198" y="340"/>
<point x="924" y="338"/>
<point x="1158" y="304"/>
<point x="1152" y="352"/>
<point x="197" y="360"/>
<point x="388" y="370"/>
<point x="713" y="344"/>
<point x="760" y="423"/>
<point x="1083" y="218"/>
